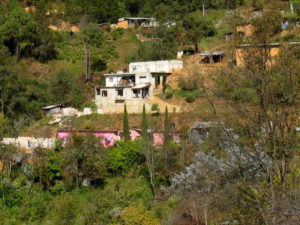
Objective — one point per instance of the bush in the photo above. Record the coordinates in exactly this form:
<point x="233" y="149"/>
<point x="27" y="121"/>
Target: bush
<point x="123" y="157"/>
<point x="191" y="97"/>
<point x="117" y="33"/>
<point x="155" y="107"/>
<point x="92" y="106"/>
<point x="168" y="94"/>
<point x="187" y="84"/>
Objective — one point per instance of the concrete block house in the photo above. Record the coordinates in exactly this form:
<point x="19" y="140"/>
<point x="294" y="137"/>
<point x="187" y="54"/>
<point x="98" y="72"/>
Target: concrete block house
<point x="143" y="80"/>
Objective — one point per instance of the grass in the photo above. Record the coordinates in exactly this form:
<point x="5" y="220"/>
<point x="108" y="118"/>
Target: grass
<point x="125" y="46"/>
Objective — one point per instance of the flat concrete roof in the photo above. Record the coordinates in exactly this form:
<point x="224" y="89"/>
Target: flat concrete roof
<point x="270" y="44"/>
<point x="119" y="74"/>
<point x="212" y="53"/>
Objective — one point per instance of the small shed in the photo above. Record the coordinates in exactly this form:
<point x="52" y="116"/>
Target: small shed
<point x="200" y="131"/>
<point x="52" y="109"/>
<point x="212" y="57"/>
<point x="228" y="36"/>
<point x="103" y="26"/>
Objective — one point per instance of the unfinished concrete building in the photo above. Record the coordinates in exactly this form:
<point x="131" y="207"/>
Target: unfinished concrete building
<point x="143" y="80"/>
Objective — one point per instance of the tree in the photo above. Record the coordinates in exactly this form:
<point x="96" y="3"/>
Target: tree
<point x="126" y="131"/>
<point x="151" y="157"/>
<point x="144" y="124"/>
<point x="19" y="31"/>
<point x="197" y="28"/>
<point x="7" y="156"/>
<point x="167" y="137"/>
<point x="84" y="158"/>
<point x="123" y="157"/>
<point x="4" y="126"/>
<point x="139" y="215"/>
<point x="65" y="88"/>
<point x="261" y="113"/>
<point x="92" y="37"/>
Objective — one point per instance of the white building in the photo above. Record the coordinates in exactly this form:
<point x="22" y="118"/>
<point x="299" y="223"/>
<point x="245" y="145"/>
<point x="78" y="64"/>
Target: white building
<point x="134" y="87"/>
<point x="30" y="143"/>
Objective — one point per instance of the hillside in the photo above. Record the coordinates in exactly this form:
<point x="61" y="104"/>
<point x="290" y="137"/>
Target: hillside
<point x="149" y="112"/>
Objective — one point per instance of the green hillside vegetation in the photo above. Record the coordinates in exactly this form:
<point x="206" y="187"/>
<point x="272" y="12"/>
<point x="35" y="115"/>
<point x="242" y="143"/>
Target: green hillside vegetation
<point x="245" y="170"/>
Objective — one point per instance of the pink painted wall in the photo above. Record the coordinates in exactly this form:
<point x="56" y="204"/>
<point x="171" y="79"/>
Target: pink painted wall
<point x="108" y="137"/>
<point x="134" y="134"/>
<point x="158" y="138"/>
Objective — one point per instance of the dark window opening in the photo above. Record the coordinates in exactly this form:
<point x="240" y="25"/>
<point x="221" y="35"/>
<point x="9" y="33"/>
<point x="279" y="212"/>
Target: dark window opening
<point x="104" y="93"/>
<point x="120" y="93"/>
<point x="136" y="93"/>
<point x="98" y="91"/>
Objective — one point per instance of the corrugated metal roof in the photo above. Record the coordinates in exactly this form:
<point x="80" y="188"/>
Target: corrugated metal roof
<point x="212" y="53"/>
<point x="206" y="124"/>
<point x="136" y="18"/>
<point x="270" y="44"/>
<point x="52" y="106"/>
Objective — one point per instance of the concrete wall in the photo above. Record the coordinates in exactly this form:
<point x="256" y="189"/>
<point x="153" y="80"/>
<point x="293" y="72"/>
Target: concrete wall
<point x="123" y="24"/>
<point x="133" y="106"/>
<point x="112" y="96"/>
<point x="247" y="29"/>
<point x="108" y="138"/>
<point x="30" y="143"/>
<point x="155" y="66"/>
<point x="112" y="81"/>
<point x="241" y="54"/>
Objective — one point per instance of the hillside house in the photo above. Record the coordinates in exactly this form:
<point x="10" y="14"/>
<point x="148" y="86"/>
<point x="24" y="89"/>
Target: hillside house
<point x="244" y="31"/>
<point x="127" y="22"/>
<point x="108" y="138"/>
<point x="212" y="57"/>
<point x="135" y="86"/>
<point x="52" y="110"/>
<point x="30" y="143"/>
<point x="200" y="131"/>
<point x="228" y="36"/>
<point x="243" y="51"/>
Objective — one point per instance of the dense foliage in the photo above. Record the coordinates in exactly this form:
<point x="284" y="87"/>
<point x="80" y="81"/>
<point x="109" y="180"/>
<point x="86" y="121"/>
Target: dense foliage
<point x="242" y="169"/>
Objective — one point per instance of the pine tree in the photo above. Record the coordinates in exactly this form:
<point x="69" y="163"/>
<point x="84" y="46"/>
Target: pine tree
<point x="166" y="128"/>
<point x="144" y="124"/>
<point x="126" y="125"/>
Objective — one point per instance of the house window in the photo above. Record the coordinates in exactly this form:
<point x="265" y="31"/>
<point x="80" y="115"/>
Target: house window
<point x="98" y="91"/>
<point x="120" y="93"/>
<point x="142" y="77"/>
<point x="104" y="93"/>
<point x="111" y="79"/>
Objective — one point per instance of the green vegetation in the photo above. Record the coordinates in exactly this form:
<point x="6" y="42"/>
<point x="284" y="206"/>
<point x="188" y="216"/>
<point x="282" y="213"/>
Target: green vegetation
<point x="144" y="123"/>
<point x="126" y="132"/>
<point x="241" y="169"/>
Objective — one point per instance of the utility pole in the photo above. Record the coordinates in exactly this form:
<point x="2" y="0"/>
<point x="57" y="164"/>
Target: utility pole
<point x="203" y="9"/>
<point x="291" y="6"/>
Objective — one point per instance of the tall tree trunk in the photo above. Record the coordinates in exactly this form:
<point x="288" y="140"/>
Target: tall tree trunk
<point x="2" y="106"/>
<point x="85" y="62"/>
<point x="89" y="69"/>
<point x="196" y="47"/>
<point x="17" y="51"/>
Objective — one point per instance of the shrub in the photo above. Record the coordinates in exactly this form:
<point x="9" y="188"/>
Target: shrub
<point x="168" y="94"/>
<point x="187" y="84"/>
<point x="191" y="97"/>
<point x="92" y="106"/>
<point x="123" y="157"/>
<point x="155" y="107"/>
<point x="117" y="33"/>
<point x="87" y="125"/>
